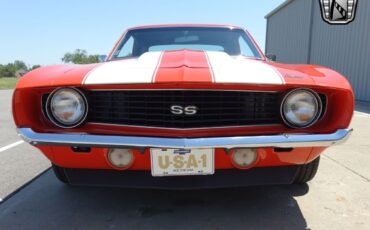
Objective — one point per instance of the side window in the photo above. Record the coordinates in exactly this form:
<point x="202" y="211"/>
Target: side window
<point x="126" y="50"/>
<point x="244" y="48"/>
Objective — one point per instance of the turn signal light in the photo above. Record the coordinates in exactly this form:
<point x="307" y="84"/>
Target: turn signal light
<point x="120" y="158"/>
<point x="244" y="158"/>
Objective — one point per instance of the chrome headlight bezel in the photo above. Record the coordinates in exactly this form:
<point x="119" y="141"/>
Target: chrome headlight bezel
<point x="314" y="119"/>
<point x="57" y="121"/>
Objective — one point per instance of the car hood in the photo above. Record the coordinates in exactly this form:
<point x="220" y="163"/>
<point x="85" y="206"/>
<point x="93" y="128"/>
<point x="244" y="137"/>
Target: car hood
<point x="185" y="66"/>
<point x="181" y="66"/>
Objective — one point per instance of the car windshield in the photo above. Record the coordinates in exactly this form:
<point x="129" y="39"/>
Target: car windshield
<point x="231" y="41"/>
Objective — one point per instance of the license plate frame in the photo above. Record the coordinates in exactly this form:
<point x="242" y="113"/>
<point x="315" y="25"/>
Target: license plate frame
<point x="181" y="162"/>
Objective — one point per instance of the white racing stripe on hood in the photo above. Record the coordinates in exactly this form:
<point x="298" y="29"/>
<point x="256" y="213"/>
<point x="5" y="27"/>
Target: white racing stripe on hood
<point x="128" y="71"/>
<point x="228" y="69"/>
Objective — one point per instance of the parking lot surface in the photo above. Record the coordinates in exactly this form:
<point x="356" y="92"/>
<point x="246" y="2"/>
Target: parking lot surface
<point x="338" y="197"/>
<point x="19" y="162"/>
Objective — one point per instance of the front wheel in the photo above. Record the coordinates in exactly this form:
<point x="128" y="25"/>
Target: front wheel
<point x="60" y="173"/>
<point x="307" y="172"/>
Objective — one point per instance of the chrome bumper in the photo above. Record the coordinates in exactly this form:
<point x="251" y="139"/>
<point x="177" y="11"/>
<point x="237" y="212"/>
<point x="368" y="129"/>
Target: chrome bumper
<point x="104" y="141"/>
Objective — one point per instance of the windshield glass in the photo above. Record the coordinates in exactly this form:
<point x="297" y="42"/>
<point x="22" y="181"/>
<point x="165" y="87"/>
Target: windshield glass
<point x="231" y="41"/>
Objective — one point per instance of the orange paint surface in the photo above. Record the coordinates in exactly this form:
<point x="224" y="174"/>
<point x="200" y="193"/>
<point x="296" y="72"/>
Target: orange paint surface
<point x="182" y="70"/>
<point x="96" y="159"/>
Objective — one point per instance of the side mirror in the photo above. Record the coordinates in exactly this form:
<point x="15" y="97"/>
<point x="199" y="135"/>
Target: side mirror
<point x="271" y="57"/>
<point x="102" y="58"/>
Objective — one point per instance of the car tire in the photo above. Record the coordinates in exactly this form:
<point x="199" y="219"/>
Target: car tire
<point x="60" y="173"/>
<point x="307" y="172"/>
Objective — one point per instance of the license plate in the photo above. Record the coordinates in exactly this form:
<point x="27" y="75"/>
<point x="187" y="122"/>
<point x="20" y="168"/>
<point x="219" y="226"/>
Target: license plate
<point x="181" y="162"/>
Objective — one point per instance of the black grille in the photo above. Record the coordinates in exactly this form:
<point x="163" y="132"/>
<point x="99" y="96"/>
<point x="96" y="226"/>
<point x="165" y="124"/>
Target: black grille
<point x="214" y="108"/>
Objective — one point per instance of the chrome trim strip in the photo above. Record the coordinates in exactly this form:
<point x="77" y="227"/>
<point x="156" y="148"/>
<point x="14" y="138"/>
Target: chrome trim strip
<point x="182" y="89"/>
<point x="186" y="129"/>
<point x="105" y="141"/>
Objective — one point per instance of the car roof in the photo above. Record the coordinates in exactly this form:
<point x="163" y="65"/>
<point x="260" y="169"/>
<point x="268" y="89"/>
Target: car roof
<point x="184" y="25"/>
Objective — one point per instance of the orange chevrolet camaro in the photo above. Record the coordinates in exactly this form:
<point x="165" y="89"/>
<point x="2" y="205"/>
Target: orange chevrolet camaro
<point x="184" y="106"/>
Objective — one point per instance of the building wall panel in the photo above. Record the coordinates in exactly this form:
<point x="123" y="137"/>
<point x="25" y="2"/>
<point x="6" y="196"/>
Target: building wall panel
<point x="288" y="38"/>
<point x="345" y="48"/>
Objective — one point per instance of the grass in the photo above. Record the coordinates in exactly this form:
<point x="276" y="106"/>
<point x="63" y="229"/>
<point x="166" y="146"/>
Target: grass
<point x="8" y="82"/>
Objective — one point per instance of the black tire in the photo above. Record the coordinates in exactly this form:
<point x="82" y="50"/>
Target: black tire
<point x="60" y="173"/>
<point x="307" y="172"/>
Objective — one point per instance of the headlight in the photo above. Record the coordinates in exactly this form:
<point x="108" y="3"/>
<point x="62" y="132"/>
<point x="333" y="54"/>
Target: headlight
<point x="301" y="108"/>
<point x="66" y="107"/>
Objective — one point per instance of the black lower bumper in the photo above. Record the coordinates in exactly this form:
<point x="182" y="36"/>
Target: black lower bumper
<point x="144" y="179"/>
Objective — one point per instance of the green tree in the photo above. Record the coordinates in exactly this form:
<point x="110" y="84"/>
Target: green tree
<point x="80" y="57"/>
<point x="18" y="65"/>
<point x="8" y="70"/>
<point x="34" y="67"/>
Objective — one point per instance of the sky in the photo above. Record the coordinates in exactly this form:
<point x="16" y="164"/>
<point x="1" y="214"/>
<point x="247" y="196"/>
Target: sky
<point x="42" y="31"/>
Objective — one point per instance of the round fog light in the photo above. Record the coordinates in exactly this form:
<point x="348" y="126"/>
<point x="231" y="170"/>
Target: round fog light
<point x="120" y="158"/>
<point x="244" y="158"/>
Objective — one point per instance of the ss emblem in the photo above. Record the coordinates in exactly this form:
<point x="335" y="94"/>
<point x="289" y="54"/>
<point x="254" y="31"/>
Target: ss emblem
<point x="180" y="110"/>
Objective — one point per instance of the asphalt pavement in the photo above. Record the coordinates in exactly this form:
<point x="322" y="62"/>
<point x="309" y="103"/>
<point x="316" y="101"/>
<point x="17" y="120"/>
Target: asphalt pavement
<point x="338" y="197"/>
<point x="19" y="162"/>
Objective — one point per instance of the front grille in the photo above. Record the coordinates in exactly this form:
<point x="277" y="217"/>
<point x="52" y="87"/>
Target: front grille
<point x="153" y="108"/>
